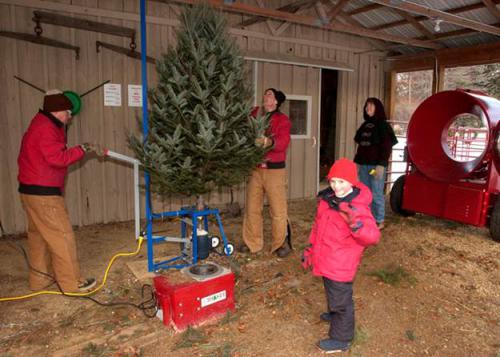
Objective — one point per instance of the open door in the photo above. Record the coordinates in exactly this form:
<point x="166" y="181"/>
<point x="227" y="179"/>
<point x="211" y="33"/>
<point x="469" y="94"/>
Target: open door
<point x="328" y="123"/>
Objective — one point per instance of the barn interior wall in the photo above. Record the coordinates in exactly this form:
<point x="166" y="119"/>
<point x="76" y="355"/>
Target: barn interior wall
<point x="100" y="191"/>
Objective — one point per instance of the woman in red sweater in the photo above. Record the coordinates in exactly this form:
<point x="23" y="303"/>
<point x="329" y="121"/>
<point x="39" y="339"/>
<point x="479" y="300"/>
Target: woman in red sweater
<point x="270" y="178"/>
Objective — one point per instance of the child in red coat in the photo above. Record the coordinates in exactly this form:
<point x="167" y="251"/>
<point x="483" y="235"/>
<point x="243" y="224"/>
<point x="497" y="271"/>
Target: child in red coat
<point x="343" y="228"/>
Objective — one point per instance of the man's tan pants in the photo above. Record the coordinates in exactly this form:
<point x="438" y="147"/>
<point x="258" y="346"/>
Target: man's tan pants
<point x="273" y="183"/>
<point x="50" y="240"/>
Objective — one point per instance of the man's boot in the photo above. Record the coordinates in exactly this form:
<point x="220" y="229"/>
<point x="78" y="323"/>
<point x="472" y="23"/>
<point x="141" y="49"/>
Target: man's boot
<point x="284" y="250"/>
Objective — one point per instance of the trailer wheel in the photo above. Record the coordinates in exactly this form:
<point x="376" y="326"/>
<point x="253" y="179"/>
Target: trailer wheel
<point x="495" y="222"/>
<point x="396" y="198"/>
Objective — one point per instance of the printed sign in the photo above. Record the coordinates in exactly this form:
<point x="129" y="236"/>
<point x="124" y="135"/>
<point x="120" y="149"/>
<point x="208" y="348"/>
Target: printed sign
<point x="112" y="95"/>
<point x="134" y="95"/>
<point x="212" y="299"/>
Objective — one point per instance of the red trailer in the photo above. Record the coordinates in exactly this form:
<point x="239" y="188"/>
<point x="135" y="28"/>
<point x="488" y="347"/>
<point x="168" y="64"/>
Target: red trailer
<point x="442" y="181"/>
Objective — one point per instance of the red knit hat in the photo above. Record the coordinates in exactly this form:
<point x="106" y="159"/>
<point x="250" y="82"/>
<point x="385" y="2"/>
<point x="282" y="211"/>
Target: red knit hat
<point x="344" y="169"/>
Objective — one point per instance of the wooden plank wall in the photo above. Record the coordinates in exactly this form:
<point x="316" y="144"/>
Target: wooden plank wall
<point x="100" y="191"/>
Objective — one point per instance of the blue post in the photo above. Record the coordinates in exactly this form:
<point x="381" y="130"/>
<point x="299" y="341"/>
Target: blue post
<point x="145" y="129"/>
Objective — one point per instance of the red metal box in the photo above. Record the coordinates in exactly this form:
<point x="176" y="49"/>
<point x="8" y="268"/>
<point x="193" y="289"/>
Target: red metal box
<point x="194" y="303"/>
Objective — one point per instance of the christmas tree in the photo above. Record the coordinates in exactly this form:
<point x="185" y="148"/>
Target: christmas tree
<point x="201" y="136"/>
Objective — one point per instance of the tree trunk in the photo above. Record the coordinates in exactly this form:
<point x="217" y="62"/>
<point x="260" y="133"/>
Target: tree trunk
<point x="200" y="203"/>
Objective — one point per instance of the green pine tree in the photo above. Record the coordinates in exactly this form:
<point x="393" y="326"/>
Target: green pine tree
<point x="201" y="136"/>
<point x="488" y="79"/>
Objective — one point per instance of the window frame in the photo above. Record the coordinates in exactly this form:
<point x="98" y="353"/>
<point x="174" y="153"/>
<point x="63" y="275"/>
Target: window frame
<point x="308" y="100"/>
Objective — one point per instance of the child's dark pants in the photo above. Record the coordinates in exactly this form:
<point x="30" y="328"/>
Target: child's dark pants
<point x="341" y="308"/>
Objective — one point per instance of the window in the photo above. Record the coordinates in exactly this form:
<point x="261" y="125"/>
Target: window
<point x="411" y="89"/>
<point x="298" y="109"/>
<point x="485" y="78"/>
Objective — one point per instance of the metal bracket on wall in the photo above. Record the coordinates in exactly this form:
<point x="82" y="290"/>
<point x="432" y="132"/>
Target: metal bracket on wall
<point x="38" y="39"/>
<point x="43" y="90"/>
<point x="130" y="52"/>
<point x="83" y="24"/>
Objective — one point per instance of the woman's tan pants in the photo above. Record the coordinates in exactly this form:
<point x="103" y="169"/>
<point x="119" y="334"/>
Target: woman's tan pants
<point x="273" y="183"/>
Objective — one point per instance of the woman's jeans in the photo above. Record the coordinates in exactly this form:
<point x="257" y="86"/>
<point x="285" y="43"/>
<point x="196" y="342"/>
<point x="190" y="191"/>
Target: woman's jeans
<point x="377" y="188"/>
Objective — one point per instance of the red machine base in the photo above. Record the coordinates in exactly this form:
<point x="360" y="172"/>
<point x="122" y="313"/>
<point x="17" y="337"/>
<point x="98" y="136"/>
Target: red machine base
<point x="194" y="303"/>
<point x="462" y="202"/>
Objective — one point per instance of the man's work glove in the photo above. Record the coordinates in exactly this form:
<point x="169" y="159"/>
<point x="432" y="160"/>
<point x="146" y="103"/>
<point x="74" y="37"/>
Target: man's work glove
<point x="351" y="216"/>
<point x="263" y="142"/>
<point x="88" y="148"/>
<point x="306" y="259"/>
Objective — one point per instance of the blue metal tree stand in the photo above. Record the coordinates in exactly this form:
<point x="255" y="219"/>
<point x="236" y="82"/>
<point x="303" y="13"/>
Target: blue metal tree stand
<point x="189" y="242"/>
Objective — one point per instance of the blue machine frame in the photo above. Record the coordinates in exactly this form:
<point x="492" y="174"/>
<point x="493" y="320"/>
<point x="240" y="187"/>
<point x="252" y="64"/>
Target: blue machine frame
<point x="184" y="212"/>
<point x="194" y="216"/>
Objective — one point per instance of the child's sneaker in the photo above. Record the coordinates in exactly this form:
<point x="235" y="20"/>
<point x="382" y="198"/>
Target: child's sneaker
<point x="326" y="316"/>
<point x="86" y="285"/>
<point x="333" y="346"/>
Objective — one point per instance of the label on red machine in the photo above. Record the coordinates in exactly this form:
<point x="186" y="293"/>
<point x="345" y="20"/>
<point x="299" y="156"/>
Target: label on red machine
<point x="212" y="299"/>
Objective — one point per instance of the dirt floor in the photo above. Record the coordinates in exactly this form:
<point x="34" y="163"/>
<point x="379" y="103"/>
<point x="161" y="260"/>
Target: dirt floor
<point x="430" y="288"/>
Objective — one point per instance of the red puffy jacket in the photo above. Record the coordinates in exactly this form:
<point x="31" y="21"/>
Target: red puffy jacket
<point x="336" y="249"/>
<point x="44" y="158"/>
<point x="279" y="131"/>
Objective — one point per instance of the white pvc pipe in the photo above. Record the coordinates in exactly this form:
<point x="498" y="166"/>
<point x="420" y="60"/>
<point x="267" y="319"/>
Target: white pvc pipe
<point x="137" y="207"/>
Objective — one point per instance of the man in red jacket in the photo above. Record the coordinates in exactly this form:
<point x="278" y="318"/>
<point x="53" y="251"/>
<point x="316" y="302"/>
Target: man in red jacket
<point x="270" y="177"/>
<point x="43" y="164"/>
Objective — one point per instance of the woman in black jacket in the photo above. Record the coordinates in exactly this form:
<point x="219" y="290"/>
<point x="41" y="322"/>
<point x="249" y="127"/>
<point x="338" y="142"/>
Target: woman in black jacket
<point x="375" y="139"/>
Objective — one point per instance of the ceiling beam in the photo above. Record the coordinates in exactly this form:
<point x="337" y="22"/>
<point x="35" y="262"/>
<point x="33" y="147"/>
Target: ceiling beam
<point x="268" y="22"/>
<point x="456" y="33"/>
<point x="292" y="8"/>
<point x="457" y="10"/>
<point x="308" y="21"/>
<point x="380" y="46"/>
<point x="447" y="17"/>
<point x="336" y="9"/>
<point x="492" y="8"/>
<point x="484" y="53"/>
<point x="440" y="36"/>
<point x="322" y="15"/>
<point x="415" y="23"/>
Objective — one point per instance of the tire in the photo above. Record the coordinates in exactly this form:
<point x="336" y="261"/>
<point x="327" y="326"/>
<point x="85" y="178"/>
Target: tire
<point x="396" y="198"/>
<point x="229" y="249"/>
<point x="495" y="222"/>
<point x="215" y="240"/>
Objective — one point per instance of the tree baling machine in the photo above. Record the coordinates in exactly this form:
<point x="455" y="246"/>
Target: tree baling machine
<point x="453" y="160"/>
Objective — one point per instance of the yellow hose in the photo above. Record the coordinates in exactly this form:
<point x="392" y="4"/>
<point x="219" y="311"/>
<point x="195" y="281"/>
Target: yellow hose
<point x="49" y="292"/>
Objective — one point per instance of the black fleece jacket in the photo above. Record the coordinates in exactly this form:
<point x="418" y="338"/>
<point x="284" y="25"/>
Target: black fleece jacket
<point x="375" y="139"/>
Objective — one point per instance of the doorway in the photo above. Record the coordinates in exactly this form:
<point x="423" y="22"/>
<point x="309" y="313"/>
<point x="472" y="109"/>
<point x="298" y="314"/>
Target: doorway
<point x="328" y="122"/>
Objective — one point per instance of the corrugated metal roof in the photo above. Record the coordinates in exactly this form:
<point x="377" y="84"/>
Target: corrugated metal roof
<point x="378" y="17"/>
<point x="471" y="40"/>
<point x="385" y="15"/>
<point x="444" y="4"/>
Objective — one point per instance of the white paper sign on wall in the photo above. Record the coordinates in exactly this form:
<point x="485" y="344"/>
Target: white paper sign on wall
<point x="112" y="95"/>
<point x="134" y="95"/>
